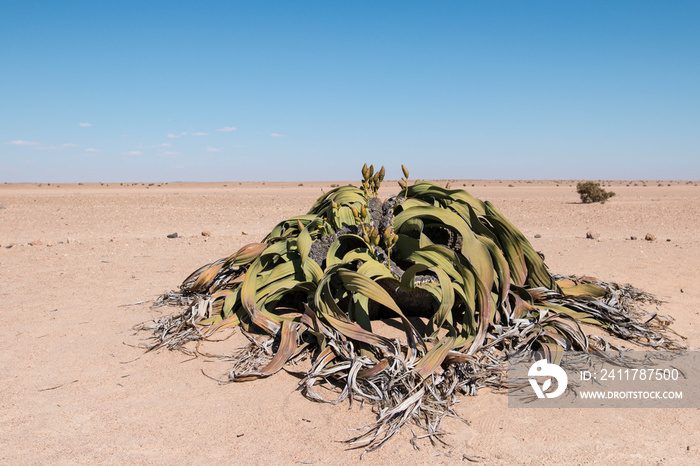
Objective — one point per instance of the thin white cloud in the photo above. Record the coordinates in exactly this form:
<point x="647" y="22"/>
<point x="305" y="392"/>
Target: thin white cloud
<point x="92" y="150"/>
<point x="199" y="133"/>
<point x="168" y="153"/>
<point x="69" y="144"/>
<point x="19" y="142"/>
<point x="227" y="129"/>
<point x="84" y="125"/>
<point x="213" y="149"/>
<point x="275" y="135"/>
<point x="171" y="135"/>
<point x="132" y="152"/>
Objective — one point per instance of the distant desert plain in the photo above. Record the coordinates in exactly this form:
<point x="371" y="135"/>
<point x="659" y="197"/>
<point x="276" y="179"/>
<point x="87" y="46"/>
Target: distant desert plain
<point x="81" y="265"/>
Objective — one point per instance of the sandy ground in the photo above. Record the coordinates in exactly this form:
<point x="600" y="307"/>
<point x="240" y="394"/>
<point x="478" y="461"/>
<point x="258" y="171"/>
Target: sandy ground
<point x="75" y="389"/>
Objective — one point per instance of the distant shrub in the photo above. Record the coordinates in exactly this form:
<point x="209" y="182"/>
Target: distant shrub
<point x="591" y="191"/>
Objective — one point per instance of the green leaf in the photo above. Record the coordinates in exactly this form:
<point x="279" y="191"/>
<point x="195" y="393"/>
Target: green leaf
<point x="584" y="289"/>
<point x="434" y="358"/>
<point x="472" y="249"/>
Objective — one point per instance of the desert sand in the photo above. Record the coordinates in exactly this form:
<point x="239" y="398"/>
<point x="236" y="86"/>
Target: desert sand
<point x="81" y="264"/>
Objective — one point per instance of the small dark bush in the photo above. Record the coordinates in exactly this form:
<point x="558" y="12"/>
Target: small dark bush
<point x="592" y="192"/>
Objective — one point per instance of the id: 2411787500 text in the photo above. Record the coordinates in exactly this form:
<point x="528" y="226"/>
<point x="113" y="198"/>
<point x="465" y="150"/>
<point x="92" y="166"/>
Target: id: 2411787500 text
<point x="631" y="374"/>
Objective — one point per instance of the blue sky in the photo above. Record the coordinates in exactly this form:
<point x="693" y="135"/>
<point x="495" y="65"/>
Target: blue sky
<point x="214" y="91"/>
